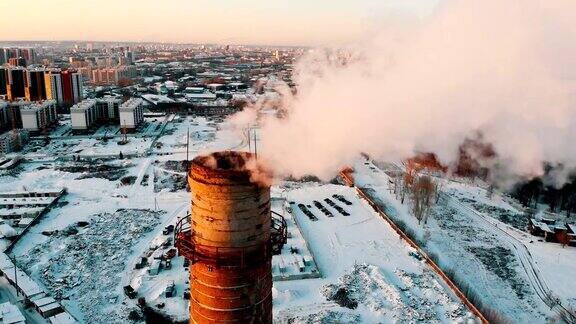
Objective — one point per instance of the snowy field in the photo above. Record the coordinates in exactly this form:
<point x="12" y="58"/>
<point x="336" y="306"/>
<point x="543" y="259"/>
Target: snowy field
<point x="369" y="274"/>
<point x="480" y="240"/>
<point x="81" y="250"/>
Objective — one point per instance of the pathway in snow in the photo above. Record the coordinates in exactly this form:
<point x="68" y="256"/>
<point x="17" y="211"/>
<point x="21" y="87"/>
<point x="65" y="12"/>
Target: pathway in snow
<point x="523" y="255"/>
<point x="143" y="169"/>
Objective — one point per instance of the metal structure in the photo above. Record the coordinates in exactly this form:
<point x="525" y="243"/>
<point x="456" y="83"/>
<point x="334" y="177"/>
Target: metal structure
<point x="229" y="238"/>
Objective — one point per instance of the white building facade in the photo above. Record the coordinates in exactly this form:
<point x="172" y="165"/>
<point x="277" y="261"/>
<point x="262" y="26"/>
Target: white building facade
<point x="131" y="113"/>
<point x="83" y="115"/>
<point x="38" y="116"/>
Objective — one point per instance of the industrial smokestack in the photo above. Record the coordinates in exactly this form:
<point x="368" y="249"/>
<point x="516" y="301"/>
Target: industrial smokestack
<point x="228" y="241"/>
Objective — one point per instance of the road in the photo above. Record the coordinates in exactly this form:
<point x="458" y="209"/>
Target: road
<point x="523" y="255"/>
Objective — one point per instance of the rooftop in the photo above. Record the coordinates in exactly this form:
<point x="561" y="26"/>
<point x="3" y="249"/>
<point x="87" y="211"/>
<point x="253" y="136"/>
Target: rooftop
<point x="131" y="104"/>
<point x="83" y="105"/>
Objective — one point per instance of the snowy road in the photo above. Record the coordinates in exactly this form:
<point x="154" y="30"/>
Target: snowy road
<point x="522" y="253"/>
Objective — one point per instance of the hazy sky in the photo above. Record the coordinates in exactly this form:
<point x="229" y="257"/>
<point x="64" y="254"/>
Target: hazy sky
<point x="276" y="22"/>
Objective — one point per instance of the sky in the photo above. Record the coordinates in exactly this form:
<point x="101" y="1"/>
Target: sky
<point x="258" y="22"/>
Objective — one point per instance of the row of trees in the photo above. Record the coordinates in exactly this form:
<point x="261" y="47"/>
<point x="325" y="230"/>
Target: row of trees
<point x="538" y="191"/>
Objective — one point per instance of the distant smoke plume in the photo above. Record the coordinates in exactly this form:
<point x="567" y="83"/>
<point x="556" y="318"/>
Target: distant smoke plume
<point x="501" y="68"/>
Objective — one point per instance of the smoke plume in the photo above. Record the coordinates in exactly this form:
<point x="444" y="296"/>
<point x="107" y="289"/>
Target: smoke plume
<point x="502" y="68"/>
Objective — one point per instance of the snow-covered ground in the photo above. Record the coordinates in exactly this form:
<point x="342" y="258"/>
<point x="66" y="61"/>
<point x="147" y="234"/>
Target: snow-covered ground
<point x="82" y="249"/>
<point x="295" y="261"/>
<point x="85" y="249"/>
<point x="495" y="260"/>
<point x="369" y="274"/>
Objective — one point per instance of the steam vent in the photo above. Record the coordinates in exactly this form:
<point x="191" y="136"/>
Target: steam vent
<point x="229" y="238"/>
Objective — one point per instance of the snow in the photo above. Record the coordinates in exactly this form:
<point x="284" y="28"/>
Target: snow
<point x="68" y="271"/>
<point x="355" y="268"/>
<point x="468" y="235"/>
<point x="363" y="254"/>
<point x="295" y="260"/>
<point x="62" y="318"/>
<point x="9" y="313"/>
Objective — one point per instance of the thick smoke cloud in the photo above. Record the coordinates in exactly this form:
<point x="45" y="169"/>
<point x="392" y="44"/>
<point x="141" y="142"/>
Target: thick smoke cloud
<point x="505" y="68"/>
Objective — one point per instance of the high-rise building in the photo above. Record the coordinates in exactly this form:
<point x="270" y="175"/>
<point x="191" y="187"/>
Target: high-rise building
<point x="71" y="87"/>
<point x="109" y="108"/>
<point x="35" y="85"/>
<point x="131" y="113"/>
<point x="3" y="59"/>
<point x="13" y="140"/>
<point x="17" y="61"/>
<point x="90" y="112"/>
<point x="29" y="54"/>
<point x="38" y="116"/>
<point x="11" y="53"/>
<point x="3" y="80"/>
<point x="84" y="115"/>
<point x="129" y="58"/>
<point x="53" y="82"/>
<point x="109" y="76"/>
<point x="4" y="121"/>
<point x="16" y="83"/>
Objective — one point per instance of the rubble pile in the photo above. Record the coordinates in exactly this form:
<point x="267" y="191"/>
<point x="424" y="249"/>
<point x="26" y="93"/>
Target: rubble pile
<point x="85" y="264"/>
<point x="406" y="297"/>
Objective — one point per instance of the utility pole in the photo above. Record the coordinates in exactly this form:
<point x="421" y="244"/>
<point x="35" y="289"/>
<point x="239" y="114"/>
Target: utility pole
<point x="187" y="145"/>
<point x="255" y="145"/>
<point x="16" y="277"/>
<point x="249" y="140"/>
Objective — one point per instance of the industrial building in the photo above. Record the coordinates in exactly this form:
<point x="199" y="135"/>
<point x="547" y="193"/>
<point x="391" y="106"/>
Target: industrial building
<point x="230" y="249"/>
<point x="33" y="294"/>
<point x="131" y="113"/>
<point x="38" y="116"/>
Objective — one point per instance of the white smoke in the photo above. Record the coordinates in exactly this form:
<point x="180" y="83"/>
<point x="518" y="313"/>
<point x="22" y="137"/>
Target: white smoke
<point x="505" y="68"/>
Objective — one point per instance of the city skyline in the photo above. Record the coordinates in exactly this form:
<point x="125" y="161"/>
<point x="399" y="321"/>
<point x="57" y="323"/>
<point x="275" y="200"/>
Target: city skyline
<point x="298" y="23"/>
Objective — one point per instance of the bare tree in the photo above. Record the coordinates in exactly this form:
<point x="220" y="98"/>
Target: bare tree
<point x="423" y="191"/>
